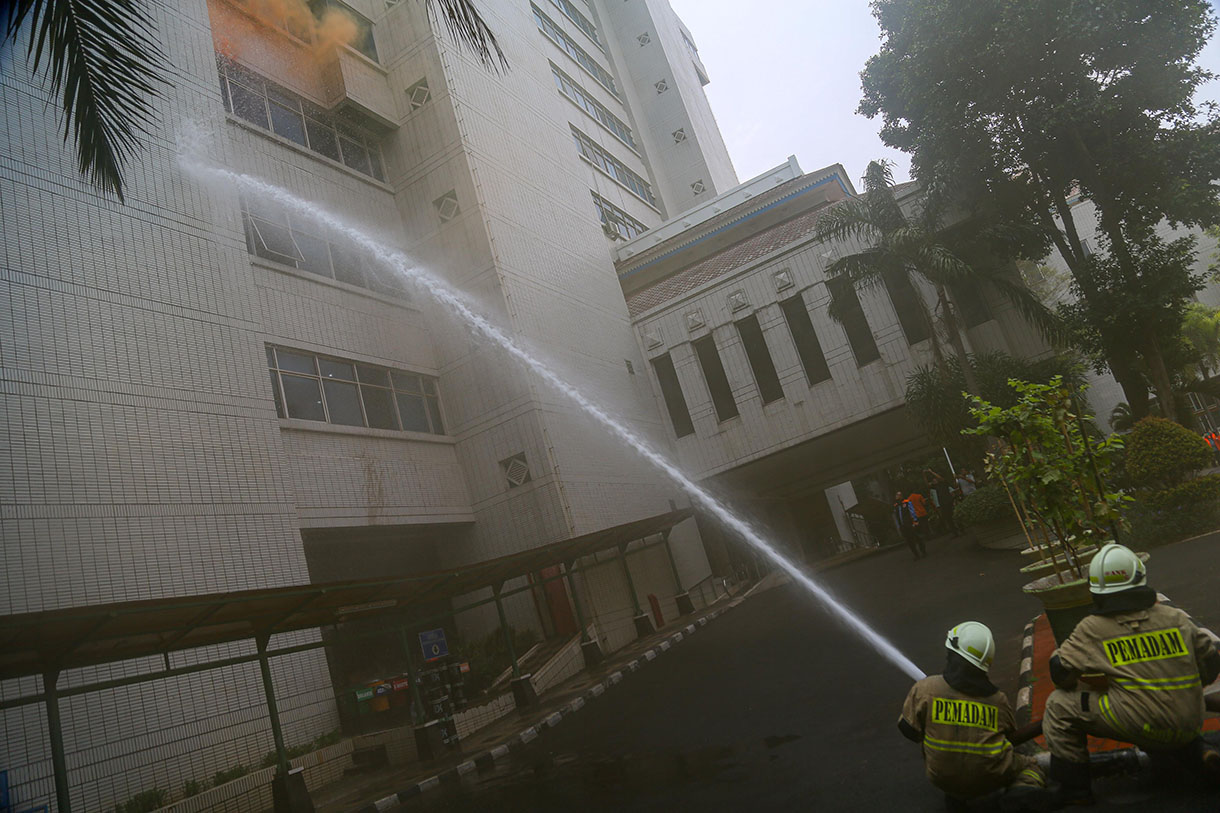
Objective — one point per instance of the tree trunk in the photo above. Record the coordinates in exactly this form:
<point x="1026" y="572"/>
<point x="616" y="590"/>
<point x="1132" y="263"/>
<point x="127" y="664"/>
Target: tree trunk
<point x="1134" y="389"/>
<point x="955" y="339"/>
<point x="1161" y="381"/>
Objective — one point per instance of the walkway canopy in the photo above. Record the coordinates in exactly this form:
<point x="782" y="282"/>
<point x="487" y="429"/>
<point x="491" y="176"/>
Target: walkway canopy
<point x="52" y="641"/>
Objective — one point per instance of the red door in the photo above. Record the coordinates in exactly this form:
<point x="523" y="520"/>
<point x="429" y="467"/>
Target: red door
<point x="558" y="604"/>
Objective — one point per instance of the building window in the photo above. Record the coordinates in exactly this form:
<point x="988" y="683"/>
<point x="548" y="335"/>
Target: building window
<point x="717" y="381"/>
<point x="363" y="40"/>
<point x="568" y="87"/>
<point x="907" y="305"/>
<point x="850" y="314"/>
<point x="808" y="348"/>
<point x="592" y="152"/>
<point x="273" y="235"/>
<point x="760" y="359"/>
<point x="971" y="302"/>
<point x="582" y="22"/>
<point x="268" y="106"/>
<point x="557" y="35"/>
<point x="617" y="223"/>
<point x="447" y="206"/>
<point x="311" y="387"/>
<point x="671" y="391"/>
<point x="419" y="94"/>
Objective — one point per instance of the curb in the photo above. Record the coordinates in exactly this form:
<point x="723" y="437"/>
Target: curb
<point x="487" y="760"/>
<point x="1025" y="681"/>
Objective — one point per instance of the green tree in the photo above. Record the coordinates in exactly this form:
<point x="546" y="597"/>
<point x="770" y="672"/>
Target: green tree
<point x="1036" y="101"/>
<point x="919" y="245"/>
<point x="102" y="60"/>
<point x="1201" y="330"/>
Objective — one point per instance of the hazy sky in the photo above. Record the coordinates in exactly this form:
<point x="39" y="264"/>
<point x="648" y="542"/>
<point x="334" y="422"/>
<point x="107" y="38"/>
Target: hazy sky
<point x="785" y="81"/>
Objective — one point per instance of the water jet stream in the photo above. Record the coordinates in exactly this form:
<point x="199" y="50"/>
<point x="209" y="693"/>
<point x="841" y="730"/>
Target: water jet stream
<point x="447" y="296"/>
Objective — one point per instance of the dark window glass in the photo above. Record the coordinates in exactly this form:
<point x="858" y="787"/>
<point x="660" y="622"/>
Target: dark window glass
<point x="859" y="334"/>
<point x="347" y="265"/>
<point x="760" y="359"/>
<point x="315" y="257"/>
<point x="405" y="382"/>
<point x="671" y="391"/>
<point x="434" y="412"/>
<point x="343" y="403"/>
<point x="806" y="340"/>
<point x="322" y="139"/>
<point x="378" y="169"/>
<point x="907" y="305"/>
<point x="717" y="381"/>
<point x="275" y="391"/>
<point x="376" y="376"/>
<point x="413" y="412"/>
<point x="971" y="303"/>
<point x="379" y="408"/>
<point x="341" y="370"/>
<point x="288" y="123"/>
<point x="296" y="362"/>
<point x="273" y="241"/>
<point x="355" y="156"/>
<point x="303" y="398"/>
<point x="248" y="105"/>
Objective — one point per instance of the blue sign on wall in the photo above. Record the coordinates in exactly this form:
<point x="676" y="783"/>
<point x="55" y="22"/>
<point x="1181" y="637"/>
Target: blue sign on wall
<point x="433" y="644"/>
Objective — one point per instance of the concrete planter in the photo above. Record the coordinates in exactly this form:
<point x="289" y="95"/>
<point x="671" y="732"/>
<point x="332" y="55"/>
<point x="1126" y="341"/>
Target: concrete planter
<point x="1046" y="567"/>
<point x="1065" y="604"/>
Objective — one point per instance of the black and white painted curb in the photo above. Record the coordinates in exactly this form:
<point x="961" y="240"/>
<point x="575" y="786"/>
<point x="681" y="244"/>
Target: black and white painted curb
<point x="488" y="759"/>
<point x="1025" y="694"/>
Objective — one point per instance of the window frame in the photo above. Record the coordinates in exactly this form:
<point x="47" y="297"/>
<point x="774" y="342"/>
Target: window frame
<point x="671" y="393"/>
<point x="613" y="168"/>
<point x="579" y="55"/>
<point x="271" y="93"/>
<point x="760" y="358"/>
<point x="615" y="217"/>
<point x="580" y="97"/>
<point x="582" y="22"/>
<point x="428" y="389"/>
<point x="796" y="315"/>
<point x="854" y="322"/>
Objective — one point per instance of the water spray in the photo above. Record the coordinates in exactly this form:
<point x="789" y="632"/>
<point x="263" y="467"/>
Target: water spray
<point x="443" y="293"/>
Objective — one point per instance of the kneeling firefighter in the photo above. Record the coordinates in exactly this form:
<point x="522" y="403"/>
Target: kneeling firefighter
<point x="1156" y="662"/>
<point x="965" y="724"/>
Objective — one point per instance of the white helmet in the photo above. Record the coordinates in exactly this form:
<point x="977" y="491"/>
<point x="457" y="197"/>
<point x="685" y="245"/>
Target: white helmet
<point x="974" y="642"/>
<point x="1115" y="568"/>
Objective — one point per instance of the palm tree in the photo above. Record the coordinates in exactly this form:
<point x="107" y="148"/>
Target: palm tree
<point x="918" y="244"/>
<point x="1201" y="328"/>
<point x="103" y="62"/>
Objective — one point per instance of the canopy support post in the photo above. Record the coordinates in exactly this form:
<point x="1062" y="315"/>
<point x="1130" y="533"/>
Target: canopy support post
<point x="59" y="760"/>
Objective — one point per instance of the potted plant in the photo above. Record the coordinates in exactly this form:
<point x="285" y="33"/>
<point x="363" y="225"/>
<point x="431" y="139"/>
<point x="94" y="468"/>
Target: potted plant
<point x="1054" y="476"/>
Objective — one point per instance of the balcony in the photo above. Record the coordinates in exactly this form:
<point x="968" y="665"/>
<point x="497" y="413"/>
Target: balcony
<point x="353" y="83"/>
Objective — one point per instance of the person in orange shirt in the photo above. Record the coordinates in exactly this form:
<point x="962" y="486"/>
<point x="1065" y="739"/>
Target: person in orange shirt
<point x="923" y="525"/>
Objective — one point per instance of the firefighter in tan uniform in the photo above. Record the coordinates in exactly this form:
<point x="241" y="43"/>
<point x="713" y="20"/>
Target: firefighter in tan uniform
<point x="1156" y="662"/>
<point x="964" y="722"/>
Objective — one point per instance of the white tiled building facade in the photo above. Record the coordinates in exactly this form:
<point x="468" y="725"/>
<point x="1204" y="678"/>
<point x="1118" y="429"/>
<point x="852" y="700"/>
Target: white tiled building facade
<point x="179" y="373"/>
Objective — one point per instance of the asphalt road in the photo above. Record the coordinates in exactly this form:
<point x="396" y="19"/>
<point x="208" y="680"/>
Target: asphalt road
<point x="774" y="706"/>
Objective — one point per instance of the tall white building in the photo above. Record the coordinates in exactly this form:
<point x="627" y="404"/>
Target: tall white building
<point x="203" y="393"/>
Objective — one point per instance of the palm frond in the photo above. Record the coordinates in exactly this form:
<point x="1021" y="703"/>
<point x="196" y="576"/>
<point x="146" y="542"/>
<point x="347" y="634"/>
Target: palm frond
<point x="846" y="220"/>
<point x="103" y="62"/>
<point x="865" y="270"/>
<point x="468" y="27"/>
<point x="1047" y="322"/>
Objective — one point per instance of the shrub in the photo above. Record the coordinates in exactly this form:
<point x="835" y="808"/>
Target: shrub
<point x="1161" y="452"/>
<point x="229" y="774"/>
<point x="1151" y="527"/>
<point x="144" y="802"/>
<point x="1192" y="495"/>
<point x="193" y="787"/>
<point x="987" y="504"/>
